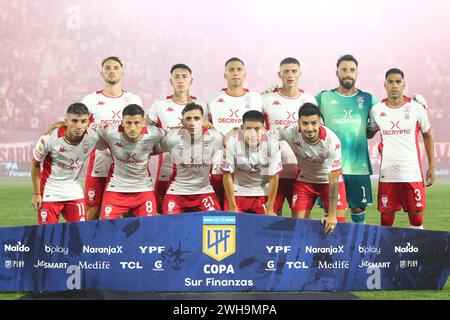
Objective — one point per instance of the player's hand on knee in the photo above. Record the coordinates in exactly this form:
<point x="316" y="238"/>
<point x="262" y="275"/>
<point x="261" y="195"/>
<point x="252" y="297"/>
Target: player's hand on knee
<point x="329" y="224"/>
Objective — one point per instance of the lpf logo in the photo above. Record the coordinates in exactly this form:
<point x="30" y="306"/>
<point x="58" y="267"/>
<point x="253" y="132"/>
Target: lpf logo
<point x="219" y="236"/>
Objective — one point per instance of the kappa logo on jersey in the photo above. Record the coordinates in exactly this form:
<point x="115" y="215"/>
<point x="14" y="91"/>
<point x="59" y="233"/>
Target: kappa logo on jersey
<point x="276" y="103"/>
<point x="118" y="145"/>
<point x="116" y="114"/>
<point x="61" y="150"/>
<point x="100" y="103"/>
<point x="395" y="125"/>
<point x="221" y="100"/>
<point x="170" y="109"/>
<point x="219" y="236"/>
<point x="338" y="146"/>
<point x="334" y="101"/>
<point x="383" y="114"/>
<point x="234" y="113"/>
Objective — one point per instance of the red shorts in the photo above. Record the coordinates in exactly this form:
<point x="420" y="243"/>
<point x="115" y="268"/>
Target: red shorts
<point x="392" y="196"/>
<point x="174" y="203"/>
<point x="249" y="204"/>
<point x="93" y="190"/>
<point x="305" y="195"/>
<point x="285" y="191"/>
<point x="217" y="184"/>
<point x="115" y="204"/>
<point x="72" y="211"/>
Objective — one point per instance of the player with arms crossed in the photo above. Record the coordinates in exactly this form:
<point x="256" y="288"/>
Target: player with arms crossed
<point x="251" y="164"/>
<point x="192" y="148"/>
<point x="57" y="187"/>
<point x="106" y="107"/>
<point x="318" y="152"/>
<point x="226" y="108"/>
<point x="129" y="185"/>
<point x="280" y="108"/>
<point x="399" y="120"/>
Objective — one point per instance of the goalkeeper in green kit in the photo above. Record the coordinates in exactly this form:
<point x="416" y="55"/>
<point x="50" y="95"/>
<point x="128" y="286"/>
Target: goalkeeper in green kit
<point x="346" y="112"/>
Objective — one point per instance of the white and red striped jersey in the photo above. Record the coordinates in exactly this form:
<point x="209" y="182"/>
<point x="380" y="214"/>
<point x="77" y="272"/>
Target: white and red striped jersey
<point x="315" y="161"/>
<point x="252" y="168"/>
<point x="167" y="113"/>
<point x="399" y="128"/>
<point x="106" y="110"/>
<point x="225" y="111"/>
<point x="62" y="164"/>
<point x="192" y="162"/>
<point x="281" y="112"/>
<point x="129" y="172"/>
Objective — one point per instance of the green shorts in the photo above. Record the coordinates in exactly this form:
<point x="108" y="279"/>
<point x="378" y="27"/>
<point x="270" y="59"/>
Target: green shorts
<point x="358" y="189"/>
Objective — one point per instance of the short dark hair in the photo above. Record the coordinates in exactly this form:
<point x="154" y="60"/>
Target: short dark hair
<point x="180" y="66"/>
<point x="78" y="109"/>
<point x="346" y="57"/>
<point x="308" y="109"/>
<point x="191" y="106"/>
<point x="112" y="58"/>
<point x="233" y="60"/>
<point x="394" y="71"/>
<point x="253" y="115"/>
<point x="133" y="110"/>
<point x="289" y="60"/>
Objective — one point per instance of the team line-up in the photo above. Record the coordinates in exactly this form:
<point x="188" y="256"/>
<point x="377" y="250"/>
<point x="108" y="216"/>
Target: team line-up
<point x="239" y="151"/>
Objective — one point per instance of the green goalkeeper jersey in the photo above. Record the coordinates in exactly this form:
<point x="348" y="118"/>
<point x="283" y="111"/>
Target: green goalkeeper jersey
<point x="347" y="116"/>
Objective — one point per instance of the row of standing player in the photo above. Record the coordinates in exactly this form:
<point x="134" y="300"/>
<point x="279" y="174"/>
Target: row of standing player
<point x="346" y="110"/>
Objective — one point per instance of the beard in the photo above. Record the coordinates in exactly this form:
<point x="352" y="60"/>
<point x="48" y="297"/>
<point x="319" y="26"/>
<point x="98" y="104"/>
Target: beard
<point x="347" y="84"/>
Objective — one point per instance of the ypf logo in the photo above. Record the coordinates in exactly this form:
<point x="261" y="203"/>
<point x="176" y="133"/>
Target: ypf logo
<point x="219" y="236"/>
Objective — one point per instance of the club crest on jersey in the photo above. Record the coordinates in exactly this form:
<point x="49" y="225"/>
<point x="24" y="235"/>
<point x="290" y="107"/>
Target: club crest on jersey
<point x="360" y="102"/>
<point x="407" y="112"/>
<point x="219" y="236"/>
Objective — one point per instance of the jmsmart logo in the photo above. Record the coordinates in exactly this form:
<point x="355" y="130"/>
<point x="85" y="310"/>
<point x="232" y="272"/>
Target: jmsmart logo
<point x="219" y="236"/>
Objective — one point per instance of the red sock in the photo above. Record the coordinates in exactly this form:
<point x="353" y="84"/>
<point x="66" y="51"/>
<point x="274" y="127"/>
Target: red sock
<point x="341" y="219"/>
<point x="415" y="220"/>
<point x="387" y="219"/>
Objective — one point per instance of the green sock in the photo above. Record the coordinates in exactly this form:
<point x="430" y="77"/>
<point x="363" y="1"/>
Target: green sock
<point x="359" y="217"/>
